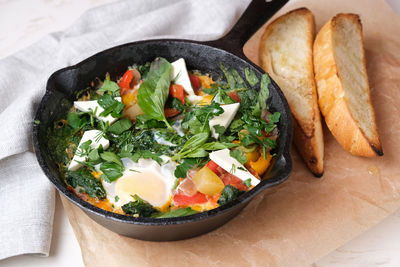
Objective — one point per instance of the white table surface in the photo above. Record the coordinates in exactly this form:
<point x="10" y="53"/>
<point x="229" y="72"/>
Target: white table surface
<point x="23" y="22"/>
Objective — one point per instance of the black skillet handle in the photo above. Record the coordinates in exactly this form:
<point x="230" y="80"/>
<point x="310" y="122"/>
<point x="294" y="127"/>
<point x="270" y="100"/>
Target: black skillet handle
<point x="255" y="15"/>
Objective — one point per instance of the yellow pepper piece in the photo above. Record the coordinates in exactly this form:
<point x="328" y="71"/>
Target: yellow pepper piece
<point x="261" y="165"/>
<point x="207" y="182"/>
<point x="96" y="174"/>
<point x="252" y="156"/>
<point x="205" y="80"/>
<point x="206" y="100"/>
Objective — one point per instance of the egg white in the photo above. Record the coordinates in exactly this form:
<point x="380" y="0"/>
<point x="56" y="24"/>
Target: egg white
<point x="147" y="179"/>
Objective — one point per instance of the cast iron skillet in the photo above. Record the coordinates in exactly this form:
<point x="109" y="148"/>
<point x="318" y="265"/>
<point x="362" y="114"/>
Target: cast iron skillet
<point x="203" y="56"/>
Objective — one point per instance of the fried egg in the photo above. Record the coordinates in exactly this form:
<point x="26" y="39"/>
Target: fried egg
<point x="147" y="179"/>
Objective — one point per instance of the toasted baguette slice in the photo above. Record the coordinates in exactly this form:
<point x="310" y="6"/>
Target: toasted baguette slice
<point x="342" y="84"/>
<point x="286" y="55"/>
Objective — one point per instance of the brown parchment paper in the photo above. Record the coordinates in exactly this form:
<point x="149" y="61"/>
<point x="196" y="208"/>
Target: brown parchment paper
<point x="305" y="218"/>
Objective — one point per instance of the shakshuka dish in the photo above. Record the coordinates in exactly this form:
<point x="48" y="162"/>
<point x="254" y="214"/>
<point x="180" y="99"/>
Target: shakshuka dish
<point x="162" y="141"/>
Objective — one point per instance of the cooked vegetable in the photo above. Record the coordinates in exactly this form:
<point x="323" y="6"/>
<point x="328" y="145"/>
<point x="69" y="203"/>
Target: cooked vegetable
<point x="140" y="207"/>
<point x="207" y="182"/>
<point x="229" y="194"/>
<point x="83" y="181"/>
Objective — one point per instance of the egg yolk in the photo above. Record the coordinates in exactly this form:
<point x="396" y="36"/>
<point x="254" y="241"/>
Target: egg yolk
<point x="147" y="184"/>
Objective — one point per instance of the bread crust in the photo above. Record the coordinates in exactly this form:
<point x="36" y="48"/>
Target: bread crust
<point x="332" y="99"/>
<point x="308" y="135"/>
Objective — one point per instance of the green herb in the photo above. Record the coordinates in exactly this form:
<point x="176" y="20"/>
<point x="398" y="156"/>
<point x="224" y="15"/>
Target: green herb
<point x="262" y="95"/>
<point x="146" y="155"/>
<point x="221" y="97"/>
<point x="176" y="213"/>
<point x="94" y="155"/>
<point x="251" y="77"/>
<point x="75" y="121"/>
<point x="139" y="206"/>
<point x="229" y="194"/>
<point x="229" y="77"/>
<point x="144" y="121"/>
<point x="111" y="171"/>
<point x="233" y="169"/>
<point x="84" y="149"/>
<point x="116" y="198"/>
<point x="247" y="182"/>
<point x="144" y="69"/>
<point x="86" y="183"/>
<point x="111" y="157"/>
<point x="177" y="104"/>
<point x="182" y="169"/>
<point x="191" y="147"/>
<point x="238" y="155"/>
<point x="218" y="146"/>
<point x="109" y="86"/>
<point x="120" y="126"/>
<point x="219" y="129"/>
<point x="153" y="92"/>
<point x="110" y="106"/>
<point x="37" y="122"/>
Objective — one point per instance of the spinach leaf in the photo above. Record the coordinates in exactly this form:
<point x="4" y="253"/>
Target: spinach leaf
<point x="139" y="206"/>
<point x="120" y="126"/>
<point x="153" y="92"/>
<point x="109" y="86"/>
<point x="176" y="213"/>
<point x="238" y="155"/>
<point x="83" y="180"/>
<point x="251" y="77"/>
<point x="111" y="171"/>
<point x="229" y="194"/>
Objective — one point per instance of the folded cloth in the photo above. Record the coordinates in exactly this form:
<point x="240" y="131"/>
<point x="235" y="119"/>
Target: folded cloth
<point x="26" y="196"/>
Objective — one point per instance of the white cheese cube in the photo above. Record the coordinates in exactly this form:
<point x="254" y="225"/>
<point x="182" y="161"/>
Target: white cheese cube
<point x="96" y="142"/>
<point x="231" y="165"/>
<point x="180" y="71"/>
<point x="85" y="106"/>
<point x="225" y="118"/>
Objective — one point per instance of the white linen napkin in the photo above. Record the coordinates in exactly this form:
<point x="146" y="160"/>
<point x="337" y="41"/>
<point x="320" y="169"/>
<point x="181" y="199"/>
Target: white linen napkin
<point x="26" y="196"/>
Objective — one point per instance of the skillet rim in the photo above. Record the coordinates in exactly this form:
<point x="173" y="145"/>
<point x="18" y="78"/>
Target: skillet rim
<point x="280" y="177"/>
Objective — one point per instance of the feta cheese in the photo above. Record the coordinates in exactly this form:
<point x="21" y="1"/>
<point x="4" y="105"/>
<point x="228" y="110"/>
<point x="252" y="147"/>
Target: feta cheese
<point x="93" y="105"/>
<point x="96" y="142"/>
<point x="223" y="159"/>
<point x="225" y="118"/>
<point x="180" y="71"/>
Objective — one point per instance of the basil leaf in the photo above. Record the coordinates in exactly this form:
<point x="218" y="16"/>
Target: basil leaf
<point x="250" y="77"/>
<point x="176" y="213"/>
<point x="238" y="155"/>
<point x="120" y="126"/>
<point x="94" y="155"/>
<point x="153" y="92"/>
<point x="229" y="194"/>
<point x="111" y="171"/>
<point x="112" y="157"/>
